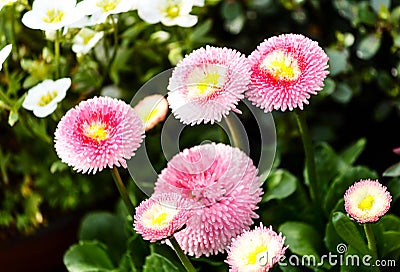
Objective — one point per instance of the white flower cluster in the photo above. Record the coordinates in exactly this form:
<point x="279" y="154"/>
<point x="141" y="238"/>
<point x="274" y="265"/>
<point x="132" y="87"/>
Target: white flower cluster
<point x="52" y="16"/>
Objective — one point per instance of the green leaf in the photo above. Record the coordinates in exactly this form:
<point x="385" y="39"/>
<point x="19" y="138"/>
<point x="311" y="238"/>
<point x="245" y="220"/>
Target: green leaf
<point x="157" y="263"/>
<point x="390" y="222"/>
<point x="350" y="154"/>
<point x="200" y="31"/>
<point x="126" y="264"/>
<point x="343" y="93"/>
<point x="348" y="231"/>
<point x="391" y="242"/>
<point x="394" y="188"/>
<point x="302" y="238"/>
<point x="279" y="185"/>
<point x="108" y="229"/>
<point x="366" y="15"/>
<point x="329" y="87"/>
<point x="338" y="61"/>
<point x="138" y="250"/>
<point x="88" y="257"/>
<point x="343" y="181"/>
<point x="368" y="46"/>
<point x="392" y="171"/>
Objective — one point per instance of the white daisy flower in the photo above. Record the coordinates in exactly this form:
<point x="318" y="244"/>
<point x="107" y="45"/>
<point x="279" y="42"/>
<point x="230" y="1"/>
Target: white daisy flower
<point x="85" y="40"/>
<point x="100" y="9"/>
<point x="51" y="14"/>
<point x="168" y="12"/>
<point x="42" y="99"/>
<point x="4" y="53"/>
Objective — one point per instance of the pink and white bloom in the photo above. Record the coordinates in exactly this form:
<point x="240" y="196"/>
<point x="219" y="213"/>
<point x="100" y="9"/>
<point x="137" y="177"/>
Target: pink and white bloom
<point x="286" y="70"/>
<point x="256" y="250"/>
<point x="160" y="216"/>
<point x="152" y="110"/>
<point x="4" y="53"/>
<point x="367" y="201"/>
<point x="168" y="12"/>
<point x="52" y="15"/>
<point x="98" y="133"/>
<point x="43" y="98"/>
<point x="207" y="84"/>
<point x="220" y="182"/>
<point x="85" y="40"/>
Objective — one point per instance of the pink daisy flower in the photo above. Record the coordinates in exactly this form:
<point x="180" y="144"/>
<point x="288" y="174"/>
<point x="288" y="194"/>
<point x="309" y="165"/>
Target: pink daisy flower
<point x="367" y="200"/>
<point x="152" y="110"/>
<point x="160" y="216"/>
<point x="207" y="84"/>
<point x="256" y="250"/>
<point x="222" y="186"/>
<point x="97" y="133"/>
<point x="286" y="69"/>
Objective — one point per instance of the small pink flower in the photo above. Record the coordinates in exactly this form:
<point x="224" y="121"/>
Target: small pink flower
<point x="98" y="133"/>
<point x="286" y="69"/>
<point x="160" y="216"/>
<point x="397" y="150"/>
<point x="367" y="200"/>
<point x="256" y="250"/>
<point x="222" y="186"/>
<point x="152" y="110"/>
<point x="207" y="84"/>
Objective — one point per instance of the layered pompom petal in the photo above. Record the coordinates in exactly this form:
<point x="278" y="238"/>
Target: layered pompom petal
<point x="98" y="133"/>
<point x="222" y="186"/>
<point x="285" y="71"/>
<point x="207" y="84"/>
<point x="367" y="201"/>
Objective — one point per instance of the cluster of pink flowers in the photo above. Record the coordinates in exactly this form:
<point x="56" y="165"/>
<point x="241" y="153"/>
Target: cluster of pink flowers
<point x="207" y="195"/>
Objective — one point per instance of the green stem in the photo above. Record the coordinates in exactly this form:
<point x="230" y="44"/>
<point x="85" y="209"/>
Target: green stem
<point x="57" y="54"/>
<point x="371" y="240"/>
<point x="371" y="244"/>
<point x="309" y="155"/>
<point x="115" y="48"/>
<point x="13" y="34"/>
<point x="122" y="191"/>
<point x="182" y="256"/>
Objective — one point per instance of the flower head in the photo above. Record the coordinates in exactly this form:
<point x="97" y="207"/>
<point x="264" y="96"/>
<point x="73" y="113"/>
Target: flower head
<point x="207" y="84"/>
<point x="102" y="8"/>
<point x="98" y="133"/>
<point x="286" y="69"/>
<point x="4" y="53"/>
<point x="168" y="12"/>
<point x="222" y="186"/>
<point x="160" y="216"/>
<point x="43" y="98"/>
<point x="85" y="40"/>
<point x="152" y="110"/>
<point x="51" y="15"/>
<point x="367" y="200"/>
<point x="256" y="250"/>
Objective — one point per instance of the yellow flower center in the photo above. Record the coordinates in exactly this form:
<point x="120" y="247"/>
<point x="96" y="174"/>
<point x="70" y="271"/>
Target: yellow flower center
<point x="281" y="66"/>
<point x="206" y="87"/>
<point x="47" y="98"/>
<point x="173" y="11"/>
<point x="366" y="203"/>
<point x="86" y="38"/>
<point x="53" y="16"/>
<point x="158" y="216"/>
<point x="97" y="131"/>
<point x="107" y="5"/>
<point x="254" y="255"/>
